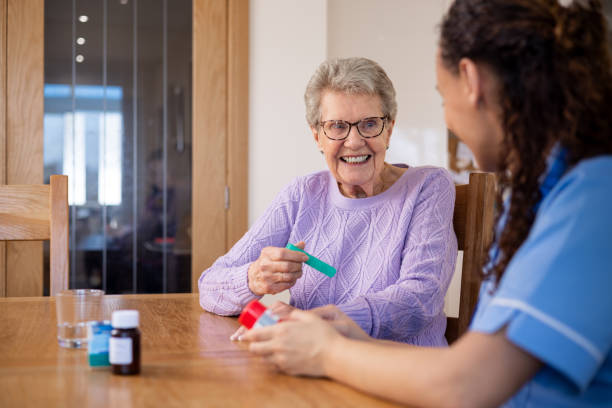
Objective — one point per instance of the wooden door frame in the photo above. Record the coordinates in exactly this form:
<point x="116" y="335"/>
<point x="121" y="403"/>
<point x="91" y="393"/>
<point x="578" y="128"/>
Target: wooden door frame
<point x="3" y="12"/>
<point x="220" y="129"/>
<point x="220" y="164"/>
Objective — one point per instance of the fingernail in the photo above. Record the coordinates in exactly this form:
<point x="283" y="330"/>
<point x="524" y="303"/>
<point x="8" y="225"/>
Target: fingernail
<point x="239" y="338"/>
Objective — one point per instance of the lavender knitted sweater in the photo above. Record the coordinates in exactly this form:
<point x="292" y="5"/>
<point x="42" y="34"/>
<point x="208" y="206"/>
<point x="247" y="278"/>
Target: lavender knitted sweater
<point x="394" y="252"/>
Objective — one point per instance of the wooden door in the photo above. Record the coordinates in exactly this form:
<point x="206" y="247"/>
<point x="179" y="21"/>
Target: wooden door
<point x="220" y="120"/>
<point x="220" y="130"/>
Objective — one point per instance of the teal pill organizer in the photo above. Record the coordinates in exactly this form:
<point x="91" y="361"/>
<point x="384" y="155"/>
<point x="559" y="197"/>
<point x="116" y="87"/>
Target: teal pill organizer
<point x="316" y="263"/>
<point x="99" y="335"/>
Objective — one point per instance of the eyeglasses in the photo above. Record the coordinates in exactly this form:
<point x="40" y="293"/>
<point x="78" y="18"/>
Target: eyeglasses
<point x="340" y="129"/>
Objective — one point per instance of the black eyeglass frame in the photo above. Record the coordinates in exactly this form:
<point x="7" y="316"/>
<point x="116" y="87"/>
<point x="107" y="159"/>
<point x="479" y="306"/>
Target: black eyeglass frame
<point x="383" y="118"/>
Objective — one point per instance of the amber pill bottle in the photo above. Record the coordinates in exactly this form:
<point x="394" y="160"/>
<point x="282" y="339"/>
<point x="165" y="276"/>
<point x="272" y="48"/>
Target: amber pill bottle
<point x="124" y="343"/>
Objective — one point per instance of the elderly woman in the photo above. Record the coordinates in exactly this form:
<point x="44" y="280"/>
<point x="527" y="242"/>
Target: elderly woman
<point x="386" y="228"/>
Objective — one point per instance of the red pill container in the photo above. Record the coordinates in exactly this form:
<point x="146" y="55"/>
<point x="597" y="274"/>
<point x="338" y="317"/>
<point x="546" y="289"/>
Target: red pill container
<point x="256" y="315"/>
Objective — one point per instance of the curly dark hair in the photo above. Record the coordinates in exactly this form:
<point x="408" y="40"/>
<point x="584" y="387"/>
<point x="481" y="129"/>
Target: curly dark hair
<point x="555" y="88"/>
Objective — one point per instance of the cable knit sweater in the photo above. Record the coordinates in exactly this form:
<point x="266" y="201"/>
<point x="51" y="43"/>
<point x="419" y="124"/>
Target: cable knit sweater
<point x="394" y="252"/>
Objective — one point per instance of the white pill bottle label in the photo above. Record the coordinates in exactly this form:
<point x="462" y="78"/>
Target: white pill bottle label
<point x="266" y="319"/>
<point x="120" y="350"/>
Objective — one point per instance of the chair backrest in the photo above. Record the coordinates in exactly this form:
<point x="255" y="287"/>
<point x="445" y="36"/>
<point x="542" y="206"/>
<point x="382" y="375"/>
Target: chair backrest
<point x="473" y="221"/>
<point x="39" y="212"/>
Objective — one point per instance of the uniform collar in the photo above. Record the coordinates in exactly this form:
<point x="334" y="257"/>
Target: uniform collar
<point x="555" y="168"/>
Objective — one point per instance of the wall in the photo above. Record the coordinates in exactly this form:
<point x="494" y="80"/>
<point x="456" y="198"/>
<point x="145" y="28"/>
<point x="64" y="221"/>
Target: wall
<point x="401" y="36"/>
<point x="290" y="38"/>
<point x="287" y="42"/>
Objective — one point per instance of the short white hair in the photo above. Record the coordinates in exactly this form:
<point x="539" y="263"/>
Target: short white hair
<point x="357" y="76"/>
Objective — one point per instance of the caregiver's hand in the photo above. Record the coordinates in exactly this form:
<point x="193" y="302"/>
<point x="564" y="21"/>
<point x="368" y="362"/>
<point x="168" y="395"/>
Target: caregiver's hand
<point x="275" y="270"/>
<point x="341" y="322"/>
<point x="296" y="346"/>
<point x="280" y="309"/>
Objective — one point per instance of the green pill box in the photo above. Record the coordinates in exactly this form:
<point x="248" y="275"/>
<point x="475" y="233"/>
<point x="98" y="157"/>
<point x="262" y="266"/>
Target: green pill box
<point x="316" y="263"/>
<point x="97" y="347"/>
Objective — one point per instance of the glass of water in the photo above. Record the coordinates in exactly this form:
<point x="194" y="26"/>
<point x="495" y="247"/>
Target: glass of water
<point x="75" y="309"/>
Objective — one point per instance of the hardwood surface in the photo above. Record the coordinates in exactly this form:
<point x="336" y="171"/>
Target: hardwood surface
<point x="209" y="135"/>
<point x="24" y="212"/>
<point x="219" y="129"/>
<point x="473" y="220"/>
<point x="59" y="252"/>
<point x="37" y="212"/>
<point x="187" y="360"/>
<point x="237" y="119"/>
<point x="3" y="132"/>
<point x="24" y="131"/>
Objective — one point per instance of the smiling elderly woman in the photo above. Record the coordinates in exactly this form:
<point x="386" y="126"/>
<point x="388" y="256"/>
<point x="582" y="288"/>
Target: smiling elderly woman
<point x="386" y="228"/>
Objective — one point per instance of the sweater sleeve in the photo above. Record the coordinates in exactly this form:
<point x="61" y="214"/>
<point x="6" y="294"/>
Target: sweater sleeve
<point x="223" y="287"/>
<point x="408" y="306"/>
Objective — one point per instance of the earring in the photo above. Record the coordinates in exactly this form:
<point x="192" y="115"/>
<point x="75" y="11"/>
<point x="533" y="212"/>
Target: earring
<point x="321" y="151"/>
<point x="387" y="147"/>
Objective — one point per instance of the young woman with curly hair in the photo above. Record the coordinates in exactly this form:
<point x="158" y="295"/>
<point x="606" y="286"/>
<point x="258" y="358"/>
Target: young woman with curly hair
<point x="527" y="85"/>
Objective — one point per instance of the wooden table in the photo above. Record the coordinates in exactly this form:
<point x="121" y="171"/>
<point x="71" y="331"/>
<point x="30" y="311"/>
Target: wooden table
<point x="187" y="360"/>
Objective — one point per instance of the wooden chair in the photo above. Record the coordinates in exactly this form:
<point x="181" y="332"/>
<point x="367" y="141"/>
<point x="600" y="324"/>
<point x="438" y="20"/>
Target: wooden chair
<point x="473" y="222"/>
<point x="39" y="212"/>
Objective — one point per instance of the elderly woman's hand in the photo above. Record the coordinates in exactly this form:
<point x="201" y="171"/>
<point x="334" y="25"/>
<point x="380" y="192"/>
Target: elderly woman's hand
<point x="341" y="322"/>
<point x="296" y="346"/>
<point x="278" y="308"/>
<point x="275" y="270"/>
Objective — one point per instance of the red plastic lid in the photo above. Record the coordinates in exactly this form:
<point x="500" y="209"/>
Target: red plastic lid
<point x="251" y="312"/>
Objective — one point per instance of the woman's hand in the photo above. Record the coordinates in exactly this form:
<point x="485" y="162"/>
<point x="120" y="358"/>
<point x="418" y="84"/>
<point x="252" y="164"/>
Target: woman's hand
<point x="275" y="270"/>
<point x="280" y="309"/>
<point x="341" y="322"/>
<point x="296" y="346"/>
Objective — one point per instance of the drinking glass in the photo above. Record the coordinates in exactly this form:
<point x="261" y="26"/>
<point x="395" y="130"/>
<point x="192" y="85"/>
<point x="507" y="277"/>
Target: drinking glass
<point x="75" y="309"/>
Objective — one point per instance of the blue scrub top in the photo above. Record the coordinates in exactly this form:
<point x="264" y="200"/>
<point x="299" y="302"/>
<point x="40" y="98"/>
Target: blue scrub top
<point x="555" y="297"/>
